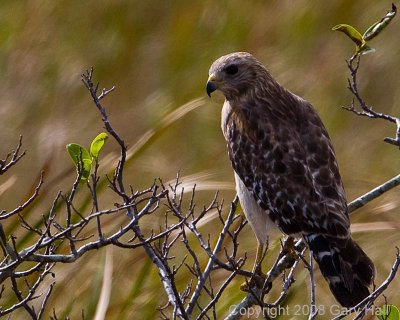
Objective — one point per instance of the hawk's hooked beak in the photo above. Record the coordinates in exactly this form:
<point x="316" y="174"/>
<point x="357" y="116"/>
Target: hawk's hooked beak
<point x="212" y="84"/>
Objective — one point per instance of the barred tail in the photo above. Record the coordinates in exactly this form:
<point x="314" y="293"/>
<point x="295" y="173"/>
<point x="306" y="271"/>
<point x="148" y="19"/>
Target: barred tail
<point x="345" y="266"/>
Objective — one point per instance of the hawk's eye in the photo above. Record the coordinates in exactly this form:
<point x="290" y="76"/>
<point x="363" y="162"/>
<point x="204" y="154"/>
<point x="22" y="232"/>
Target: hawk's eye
<point x="231" y="69"/>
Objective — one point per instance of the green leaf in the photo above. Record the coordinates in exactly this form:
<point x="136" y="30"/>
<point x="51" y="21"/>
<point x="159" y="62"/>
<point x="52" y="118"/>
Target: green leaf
<point x="77" y="153"/>
<point x="81" y="158"/>
<point x="87" y="168"/>
<point x="351" y="32"/>
<point x="377" y="27"/>
<point x="97" y="144"/>
<point x="388" y="312"/>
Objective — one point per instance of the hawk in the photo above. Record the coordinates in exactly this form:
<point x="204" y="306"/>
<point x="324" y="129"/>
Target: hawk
<point x="286" y="173"/>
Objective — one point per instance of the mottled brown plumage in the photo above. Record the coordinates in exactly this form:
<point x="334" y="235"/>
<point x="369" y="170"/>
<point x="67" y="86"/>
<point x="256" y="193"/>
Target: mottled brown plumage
<point x="286" y="171"/>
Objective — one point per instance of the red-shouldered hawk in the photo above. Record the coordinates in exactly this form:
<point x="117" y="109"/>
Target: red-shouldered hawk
<point x="286" y="171"/>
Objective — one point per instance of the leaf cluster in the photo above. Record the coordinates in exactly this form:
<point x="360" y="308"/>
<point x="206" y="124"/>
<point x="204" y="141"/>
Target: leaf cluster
<point x="83" y="159"/>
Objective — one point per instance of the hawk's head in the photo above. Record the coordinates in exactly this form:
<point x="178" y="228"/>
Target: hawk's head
<point x="234" y="74"/>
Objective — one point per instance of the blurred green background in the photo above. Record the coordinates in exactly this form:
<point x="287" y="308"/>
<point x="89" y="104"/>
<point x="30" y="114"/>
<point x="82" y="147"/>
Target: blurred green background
<point x="157" y="54"/>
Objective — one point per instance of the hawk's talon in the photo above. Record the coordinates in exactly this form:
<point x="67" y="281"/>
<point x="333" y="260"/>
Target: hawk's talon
<point x="288" y="247"/>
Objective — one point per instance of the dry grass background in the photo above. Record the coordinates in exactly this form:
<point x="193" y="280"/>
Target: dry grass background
<point x="157" y="53"/>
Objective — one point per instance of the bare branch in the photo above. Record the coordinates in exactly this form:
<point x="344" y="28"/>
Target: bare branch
<point x="353" y="65"/>
<point x="309" y="267"/>
<point x="26" y="203"/>
<point x="373" y="194"/>
<point x="23" y="301"/>
<point x="15" y="157"/>
<point x="210" y="263"/>
<point x="217" y="296"/>
<point x="286" y="284"/>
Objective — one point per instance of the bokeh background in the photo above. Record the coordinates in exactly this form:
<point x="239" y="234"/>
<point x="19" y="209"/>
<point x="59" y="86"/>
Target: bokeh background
<point x="157" y="54"/>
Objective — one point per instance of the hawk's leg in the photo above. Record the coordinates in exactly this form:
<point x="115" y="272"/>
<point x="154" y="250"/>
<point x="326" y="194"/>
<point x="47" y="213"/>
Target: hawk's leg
<point x="259" y="258"/>
<point x="258" y="277"/>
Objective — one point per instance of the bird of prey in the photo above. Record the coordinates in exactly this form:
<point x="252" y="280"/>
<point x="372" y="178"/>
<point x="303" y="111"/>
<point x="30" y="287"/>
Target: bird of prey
<point x="286" y="172"/>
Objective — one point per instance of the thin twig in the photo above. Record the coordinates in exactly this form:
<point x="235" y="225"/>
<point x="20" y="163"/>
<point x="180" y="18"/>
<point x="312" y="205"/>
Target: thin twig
<point x="353" y="65"/>
<point x="210" y="263"/>
<point x="15" y="157"/>
<point x="26" y="203"/>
